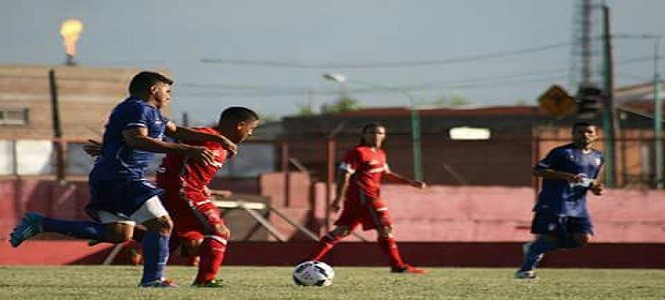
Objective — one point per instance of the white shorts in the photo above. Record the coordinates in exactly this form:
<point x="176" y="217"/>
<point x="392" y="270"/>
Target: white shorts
<point x="151" y="209"/>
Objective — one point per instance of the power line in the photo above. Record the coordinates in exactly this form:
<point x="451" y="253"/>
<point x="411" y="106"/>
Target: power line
<point x="375" y="65"/>
<point x="476" y="82"/>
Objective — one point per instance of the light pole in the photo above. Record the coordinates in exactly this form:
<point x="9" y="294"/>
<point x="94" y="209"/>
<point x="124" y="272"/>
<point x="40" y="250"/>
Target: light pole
<point x="658" y="106"/>
<point x="414" y="117"/>
<point x="658" y="116"/>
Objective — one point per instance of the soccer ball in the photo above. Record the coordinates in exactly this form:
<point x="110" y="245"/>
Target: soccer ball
<point x="313" y="273"/>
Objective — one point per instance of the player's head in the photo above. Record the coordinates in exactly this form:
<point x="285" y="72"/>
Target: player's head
<point x="151" y="86"/>
<point x="237" y="123"/>
<point x="584" y="134"/>
<point x="373" y="135"/>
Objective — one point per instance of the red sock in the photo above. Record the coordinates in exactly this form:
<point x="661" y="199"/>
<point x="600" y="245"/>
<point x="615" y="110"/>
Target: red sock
<point x="389" y="247"/>
<point x="324" y="245"/>
<point x="212" y="255"/>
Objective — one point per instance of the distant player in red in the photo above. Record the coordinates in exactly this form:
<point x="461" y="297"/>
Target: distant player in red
<point x="198" y="225"/>
<point x="358" y="184"/>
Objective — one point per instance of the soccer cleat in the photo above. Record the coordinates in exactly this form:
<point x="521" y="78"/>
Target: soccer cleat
<point x="30" y="225"/>
<point x="215" y="283"/>
<point x="530" y="274"/>
<point x="408" y="269"/>
<point x="160" y="283"/>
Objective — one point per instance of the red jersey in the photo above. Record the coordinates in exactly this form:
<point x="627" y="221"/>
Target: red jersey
<point x="366" y="166"/>
<point x="177" y="175"/>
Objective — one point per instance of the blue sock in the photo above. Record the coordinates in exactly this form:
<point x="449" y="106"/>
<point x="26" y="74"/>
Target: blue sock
<point x="155" y="256"/>
<point x="535" y="253"/>
<point x="78" y="229"/>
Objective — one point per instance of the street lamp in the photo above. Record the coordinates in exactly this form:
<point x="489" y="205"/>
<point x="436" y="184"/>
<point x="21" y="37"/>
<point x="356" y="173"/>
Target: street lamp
<point x="658" y="106"/>
<point x="413" y="116"/>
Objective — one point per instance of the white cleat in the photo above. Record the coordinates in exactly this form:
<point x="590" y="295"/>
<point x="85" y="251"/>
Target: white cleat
<point x="525" y="275"/>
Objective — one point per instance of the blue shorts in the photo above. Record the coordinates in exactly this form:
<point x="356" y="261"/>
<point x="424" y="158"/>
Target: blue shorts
<point x="121" y="197"/>
<point x="561" y="227"/>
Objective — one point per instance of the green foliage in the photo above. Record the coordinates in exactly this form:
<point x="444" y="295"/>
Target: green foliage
<point x="451" y="101"/>
<point x="343" y="104"/>
<point x="305" y="110"/>
<point x="119" y="282"/>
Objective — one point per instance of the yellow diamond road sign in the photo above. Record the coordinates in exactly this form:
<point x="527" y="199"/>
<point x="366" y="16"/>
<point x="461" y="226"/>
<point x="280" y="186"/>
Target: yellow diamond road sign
<point x="557" y="102"/>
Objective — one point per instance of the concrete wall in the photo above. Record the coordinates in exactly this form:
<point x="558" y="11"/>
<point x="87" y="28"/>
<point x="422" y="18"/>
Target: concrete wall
<point x="439" y="226"/>
<point x="436" y="214"/>
<point x="86" y="96"/>
<point x="476" y="214"/>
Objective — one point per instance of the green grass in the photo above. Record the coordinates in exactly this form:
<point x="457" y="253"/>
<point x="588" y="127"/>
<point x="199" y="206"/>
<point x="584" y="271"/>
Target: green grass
<point x="119" y="282"/>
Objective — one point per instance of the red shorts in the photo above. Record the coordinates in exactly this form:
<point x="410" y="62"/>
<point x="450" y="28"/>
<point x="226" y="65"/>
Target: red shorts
<point x="371" y="214"/>
<point x="192" y="220"/>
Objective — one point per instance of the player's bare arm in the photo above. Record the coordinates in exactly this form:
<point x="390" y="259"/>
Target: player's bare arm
<point x="187" y="134"/>
<point x="93" y="147"/>
<point x="401" y="179"/>
<point x="553" y="174"/>
<point x="342" y="185"/>
<point x="138" y="138"/>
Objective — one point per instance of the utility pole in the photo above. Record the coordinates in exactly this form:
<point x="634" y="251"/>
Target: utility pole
<point x="608" y="116"/>
<point x="57" y="129"/>
<point x="658" y="117"/>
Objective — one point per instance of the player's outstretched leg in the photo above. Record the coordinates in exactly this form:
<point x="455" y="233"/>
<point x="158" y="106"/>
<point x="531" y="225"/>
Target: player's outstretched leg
<point x="324" y="245"/>
<point x="29" y="227"/>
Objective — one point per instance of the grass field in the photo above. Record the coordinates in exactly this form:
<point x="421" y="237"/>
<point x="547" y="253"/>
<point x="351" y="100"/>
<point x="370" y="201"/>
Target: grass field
<point x="119" y="282"/>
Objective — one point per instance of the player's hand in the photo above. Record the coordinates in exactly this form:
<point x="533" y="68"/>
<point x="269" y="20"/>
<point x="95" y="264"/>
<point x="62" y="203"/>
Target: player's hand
<point x="228" y="145"/>
<point x="201" y="154"/>
<point x="419" y="184"/>
<point x="335" y="207"/>
<point x="575" y="178"/>
<point x="93" y="148"/>
<point x="221" y="193"/>
<point x="597" y="188"/>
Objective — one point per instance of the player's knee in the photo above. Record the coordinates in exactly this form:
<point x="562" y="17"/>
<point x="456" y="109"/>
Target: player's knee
<point x="223" y="231"/>
<point x="118" y="237"/>
<point x="341" y="232"/>
<point x="576" y="241"/>
<point x="385" y="231"/>
<point x="163" y="225"/>
<point x="190" y="248"/>
<point x="118" y="233"/>
<point x="582" y="239"/>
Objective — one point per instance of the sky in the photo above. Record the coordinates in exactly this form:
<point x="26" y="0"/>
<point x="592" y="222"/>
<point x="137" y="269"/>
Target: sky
<point x="270" y="55"/>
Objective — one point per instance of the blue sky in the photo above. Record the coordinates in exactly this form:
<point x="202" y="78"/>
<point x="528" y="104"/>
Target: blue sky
<point x="270" y="55"/>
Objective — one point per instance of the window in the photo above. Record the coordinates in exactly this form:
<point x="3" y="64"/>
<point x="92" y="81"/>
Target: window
<point x="13" y="116"/>
<point x="469" y="133"/>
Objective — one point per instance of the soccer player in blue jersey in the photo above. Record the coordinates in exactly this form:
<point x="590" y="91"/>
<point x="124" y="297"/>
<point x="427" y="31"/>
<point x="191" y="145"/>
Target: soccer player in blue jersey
<point x="120" y="195"/>
<point x="561" y="219"/>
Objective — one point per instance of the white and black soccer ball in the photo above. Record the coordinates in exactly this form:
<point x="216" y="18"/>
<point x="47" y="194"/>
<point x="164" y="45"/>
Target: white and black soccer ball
<point x="313" y="273"/>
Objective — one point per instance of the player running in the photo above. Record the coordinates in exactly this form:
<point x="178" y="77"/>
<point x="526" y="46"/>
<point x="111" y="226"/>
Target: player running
<point x="120" y="195"/>
<point x="198" y="225"/>
<point x="358" y="184"/>
<point x="561" y="219"/>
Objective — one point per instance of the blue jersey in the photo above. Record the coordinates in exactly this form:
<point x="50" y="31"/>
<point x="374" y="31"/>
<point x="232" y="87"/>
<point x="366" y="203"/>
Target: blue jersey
<point x="117" y="182"/>
<point x="561" y="197"/>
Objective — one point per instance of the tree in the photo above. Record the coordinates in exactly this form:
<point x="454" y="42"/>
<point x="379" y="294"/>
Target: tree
<point x="451" y="101"/>
<point x="305" y="110"/>
<point x="343" y="104"/>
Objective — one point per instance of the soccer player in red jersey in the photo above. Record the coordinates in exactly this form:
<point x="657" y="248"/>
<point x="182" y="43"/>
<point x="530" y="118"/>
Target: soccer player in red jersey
<point x="198" y="225"/>
<point x="358" y="184"/>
